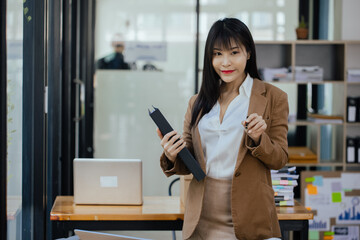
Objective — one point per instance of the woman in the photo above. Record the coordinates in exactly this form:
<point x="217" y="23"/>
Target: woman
<point x="236" y="127"/>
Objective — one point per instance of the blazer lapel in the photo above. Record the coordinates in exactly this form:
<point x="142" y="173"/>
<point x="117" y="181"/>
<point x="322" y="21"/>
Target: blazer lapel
<point x="257" y="105"/>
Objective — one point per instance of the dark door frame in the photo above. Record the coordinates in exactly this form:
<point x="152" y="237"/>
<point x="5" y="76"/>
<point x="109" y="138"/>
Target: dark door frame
<point x="34" y="120"/>
<point x="54" y="130"/>
<point x="87" y="69"/>
<point x="68" y="97"/>
<point x="3" y="123"/>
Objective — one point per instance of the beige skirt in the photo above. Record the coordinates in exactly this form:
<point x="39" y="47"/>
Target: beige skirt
<point x="215" y="219"/>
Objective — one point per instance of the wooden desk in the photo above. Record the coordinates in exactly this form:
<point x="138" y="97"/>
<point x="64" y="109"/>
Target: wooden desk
<point x="294" y="219"/>
<point x="157" y="213"/>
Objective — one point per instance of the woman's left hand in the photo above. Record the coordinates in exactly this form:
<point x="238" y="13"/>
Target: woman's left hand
<point x="254" y="126"/>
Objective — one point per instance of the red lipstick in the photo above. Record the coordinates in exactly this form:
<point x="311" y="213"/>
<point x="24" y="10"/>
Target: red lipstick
<point x="227" y="71"/>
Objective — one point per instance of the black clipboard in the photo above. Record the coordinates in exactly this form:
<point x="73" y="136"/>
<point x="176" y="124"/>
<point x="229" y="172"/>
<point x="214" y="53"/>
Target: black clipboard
<point x="184" y="154"/>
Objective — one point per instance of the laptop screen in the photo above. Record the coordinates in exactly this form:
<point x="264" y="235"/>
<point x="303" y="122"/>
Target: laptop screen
<point x="107" y="181"/>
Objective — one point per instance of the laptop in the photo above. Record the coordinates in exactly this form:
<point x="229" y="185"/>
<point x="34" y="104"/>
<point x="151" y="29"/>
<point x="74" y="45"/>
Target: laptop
<point x="88" y="235"/>
<point x="108" y="181"/>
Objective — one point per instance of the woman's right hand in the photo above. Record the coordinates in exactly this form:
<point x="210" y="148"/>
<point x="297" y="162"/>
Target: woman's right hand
<point x="171" y="147"/>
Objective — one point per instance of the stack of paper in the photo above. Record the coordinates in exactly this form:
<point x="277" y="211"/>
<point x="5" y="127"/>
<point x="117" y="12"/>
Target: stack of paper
<point x="284" y="181"/>
<point x="276" y="74"/>
<point x="353" y="75"/>
<point x="309" y="74"/>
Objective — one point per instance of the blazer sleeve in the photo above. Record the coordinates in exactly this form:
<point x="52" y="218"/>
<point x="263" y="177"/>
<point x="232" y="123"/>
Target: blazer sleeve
<point x="178" y="167"/>
<point x="273" y="146"/>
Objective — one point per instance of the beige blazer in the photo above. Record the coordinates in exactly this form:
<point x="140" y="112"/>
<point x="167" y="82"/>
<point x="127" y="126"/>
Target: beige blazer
<point x="252" y="197"/>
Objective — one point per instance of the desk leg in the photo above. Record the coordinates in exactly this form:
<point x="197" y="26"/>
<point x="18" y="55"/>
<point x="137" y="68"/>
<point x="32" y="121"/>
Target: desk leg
<point x="59" y="230"/>
<point x="284" y="234"/>
<point x="304" y="233"/>
<point x="294" y="225"/>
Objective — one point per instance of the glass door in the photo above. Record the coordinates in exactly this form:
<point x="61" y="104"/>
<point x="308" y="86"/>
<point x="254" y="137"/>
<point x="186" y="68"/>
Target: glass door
<point x="145" y="55"/>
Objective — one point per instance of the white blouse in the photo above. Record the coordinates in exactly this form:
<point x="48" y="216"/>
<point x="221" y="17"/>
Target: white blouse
<point x="221" y="142"/>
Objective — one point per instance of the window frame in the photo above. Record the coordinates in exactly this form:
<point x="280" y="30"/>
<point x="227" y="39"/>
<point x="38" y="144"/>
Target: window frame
<point x="3" y="123"/>
<point x="34" y="120"/>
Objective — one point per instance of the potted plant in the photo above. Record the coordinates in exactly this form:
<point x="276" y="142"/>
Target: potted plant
<point x="301" y="30"/>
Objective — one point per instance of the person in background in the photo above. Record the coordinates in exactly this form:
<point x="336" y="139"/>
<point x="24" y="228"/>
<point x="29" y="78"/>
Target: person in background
<point x="116" y="59"/>
<point x="236" y="127"/>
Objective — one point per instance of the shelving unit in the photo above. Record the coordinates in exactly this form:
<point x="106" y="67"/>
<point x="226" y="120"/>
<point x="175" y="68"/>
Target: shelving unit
<point x="326" y="140"/>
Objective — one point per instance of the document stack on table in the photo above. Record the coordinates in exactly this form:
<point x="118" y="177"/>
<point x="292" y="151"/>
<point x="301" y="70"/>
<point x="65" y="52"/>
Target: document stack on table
<point x="284" y="181"/>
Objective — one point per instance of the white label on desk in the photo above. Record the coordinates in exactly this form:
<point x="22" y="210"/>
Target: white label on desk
<point x="108" y="181"/>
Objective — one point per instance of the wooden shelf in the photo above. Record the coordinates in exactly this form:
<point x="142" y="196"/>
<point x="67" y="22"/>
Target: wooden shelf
<point x="320" y="42"/>
<point x="355" y="124"/>
<point x="353" y="83"/>
<point x="353" y="165"/>
<point x="335" y="58"/>
<point x="310" y="123"/>
<point x="330" y="164"/>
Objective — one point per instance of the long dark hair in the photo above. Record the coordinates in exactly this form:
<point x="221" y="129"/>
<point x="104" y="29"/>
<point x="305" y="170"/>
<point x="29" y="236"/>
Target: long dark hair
<point x="222" y="33"/>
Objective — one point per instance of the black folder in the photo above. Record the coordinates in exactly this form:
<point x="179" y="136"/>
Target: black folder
<point x="184" y="154"/>
<point x="351" y="150"/>
<point x="351" y="109"/>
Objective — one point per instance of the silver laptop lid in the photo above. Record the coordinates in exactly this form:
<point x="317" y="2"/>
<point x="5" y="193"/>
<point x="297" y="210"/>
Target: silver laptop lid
<point x="107" y="181"/>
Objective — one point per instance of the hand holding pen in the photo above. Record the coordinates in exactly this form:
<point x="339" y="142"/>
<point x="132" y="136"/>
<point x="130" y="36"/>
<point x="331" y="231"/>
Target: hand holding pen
<point x="254" y="126"/>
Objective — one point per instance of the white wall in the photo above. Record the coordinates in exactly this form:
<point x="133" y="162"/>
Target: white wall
<point x="344" y="20"/>
<point x="350" y="20"/>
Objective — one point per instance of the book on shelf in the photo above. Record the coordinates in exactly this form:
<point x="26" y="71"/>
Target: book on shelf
<point x="279" y="188"/>
<point x="289" y="178"/>
<point x="285" y="182"/>
<point x="288" y="203"/>
<point x="284" y="196"/>
<point x="285" y="169"/>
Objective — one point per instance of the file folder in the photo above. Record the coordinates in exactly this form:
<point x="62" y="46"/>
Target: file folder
<point x="351" y="109"/>
<point x="184" y="154"/>
<point x="350" y="150"/>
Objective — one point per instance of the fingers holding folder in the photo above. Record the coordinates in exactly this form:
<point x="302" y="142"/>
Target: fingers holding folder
<point x="172" y="144"/>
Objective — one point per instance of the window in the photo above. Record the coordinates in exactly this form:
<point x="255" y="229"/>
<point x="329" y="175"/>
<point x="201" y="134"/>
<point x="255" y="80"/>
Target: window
<point x="15" y="13"/>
